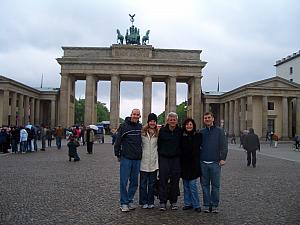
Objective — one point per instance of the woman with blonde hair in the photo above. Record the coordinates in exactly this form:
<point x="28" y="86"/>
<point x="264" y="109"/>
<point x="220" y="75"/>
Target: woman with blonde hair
<point x="149" y="162"/>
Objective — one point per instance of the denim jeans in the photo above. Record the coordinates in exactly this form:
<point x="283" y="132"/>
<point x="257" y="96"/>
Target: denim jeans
<point x="23" y="146"/>
<point x="29" y="145"/>
<point x="191" y="197"/>
<point x="35" y="144"/>
<point x="147" y="183"/>
<point x="14" y="145"/>
<point x="58" y="142"/>
<point x="129" y="170"/>
<point x="210" y="181"/>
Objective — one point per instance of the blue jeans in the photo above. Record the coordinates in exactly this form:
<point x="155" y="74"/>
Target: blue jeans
<point x="23" y="146"/>
<point x="129" y="170"/>
<point x="58" y="142"/>
<point x="191" y="197"/>
<point x="29" y="145"/>
<point x="210" y="181"/>
<point x="14" y="145"/>
<point x="35" y="144"/>
<point x="147" y="183"/>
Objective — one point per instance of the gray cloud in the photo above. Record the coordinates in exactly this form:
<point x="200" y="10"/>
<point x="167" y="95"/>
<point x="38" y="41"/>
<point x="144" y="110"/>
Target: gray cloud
<point x="240" y="41"/>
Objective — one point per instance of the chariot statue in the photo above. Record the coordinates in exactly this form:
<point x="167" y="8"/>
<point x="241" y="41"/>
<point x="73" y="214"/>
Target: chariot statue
<point x="120" y="37"/>
<point x="146" y="38"/>
<point x="132" y="36"/>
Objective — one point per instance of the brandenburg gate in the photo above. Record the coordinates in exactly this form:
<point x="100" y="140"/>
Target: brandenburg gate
<point x="128" y="62"/>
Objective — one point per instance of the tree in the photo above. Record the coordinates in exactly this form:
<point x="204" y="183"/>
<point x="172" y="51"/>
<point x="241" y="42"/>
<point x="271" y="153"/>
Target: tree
<point x="102" y="111"/>
<point x="180" y="110"/>
<point x="79" y="111"/>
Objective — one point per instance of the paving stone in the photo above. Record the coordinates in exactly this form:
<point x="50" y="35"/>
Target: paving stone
<point x="45" y="188"/>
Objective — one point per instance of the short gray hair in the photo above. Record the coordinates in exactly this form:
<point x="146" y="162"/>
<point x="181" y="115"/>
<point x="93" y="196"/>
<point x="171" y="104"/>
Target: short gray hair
<point x="172" y="114"/>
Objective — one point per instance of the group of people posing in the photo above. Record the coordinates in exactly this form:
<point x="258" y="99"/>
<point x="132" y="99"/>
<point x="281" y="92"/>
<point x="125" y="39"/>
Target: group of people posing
<point x="160" y="157"/>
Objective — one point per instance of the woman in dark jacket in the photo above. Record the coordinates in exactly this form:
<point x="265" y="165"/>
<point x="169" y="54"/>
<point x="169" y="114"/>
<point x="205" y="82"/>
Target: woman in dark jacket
<point x="190" y="164"/>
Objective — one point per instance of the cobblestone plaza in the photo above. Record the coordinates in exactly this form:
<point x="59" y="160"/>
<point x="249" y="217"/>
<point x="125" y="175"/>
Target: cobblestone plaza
<point x="45" y="188"/>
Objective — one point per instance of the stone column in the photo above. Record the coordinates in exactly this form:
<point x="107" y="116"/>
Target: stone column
<point x="21" y="111"/>
<point x="264" y="115"/>
<point x="114" y="101"/>
<point x="243" y="115"/>
<point x="95" y="102"/>
<point x="285" y="124"/>
<point x="249" y="112"/>
<point x="226" y="117"/>
<point x="53" y="110"/>
<point x="64" y="108"/>
<point x="32" y="110"/>
<point x="71" y="113"/>
<point x="147" y="98"/>
<point x="207" y="107"/>
<point x="231" y="117"/>
<point x="298" y="115"/>
<point x="171" y="95"/>
<point x="221" y="113"/>
<point x="194" y="100"/>
<point x="290" y="118"/>
<point x="89" y="110"/>
<point x="236" y="120"/>
<point x="26" y="109"/>
<point x="5" y="107"/>
<point x="37" y="113"/>
<point x="13" y="109"/>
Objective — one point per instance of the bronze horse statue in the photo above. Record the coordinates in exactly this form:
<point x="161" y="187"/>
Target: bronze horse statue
<point x="120" y="37"/>
<point x="146" y="38"/>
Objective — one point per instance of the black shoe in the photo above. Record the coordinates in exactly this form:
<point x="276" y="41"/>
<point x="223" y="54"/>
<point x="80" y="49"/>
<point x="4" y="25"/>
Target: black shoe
<point x="254" y="166"/>
<point x="248" y="164"/>
<point x="187" y="207"/>
<point x="198" y="210"/>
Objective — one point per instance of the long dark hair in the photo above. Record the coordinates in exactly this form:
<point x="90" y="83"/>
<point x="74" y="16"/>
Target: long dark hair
<point x="187" y="120"/>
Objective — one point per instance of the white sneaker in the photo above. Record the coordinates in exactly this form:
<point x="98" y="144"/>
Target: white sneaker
<point x="131" y="206"/>
<point x="145" y="206"/>
<point x="124" y="208"/>
<point x="150" y="206"/>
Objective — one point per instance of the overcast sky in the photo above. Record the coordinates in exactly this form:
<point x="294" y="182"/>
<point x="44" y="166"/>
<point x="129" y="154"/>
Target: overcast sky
<point x="240" y="40"/>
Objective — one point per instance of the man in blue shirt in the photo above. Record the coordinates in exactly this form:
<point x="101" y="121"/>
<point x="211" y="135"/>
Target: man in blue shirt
<point x="213" y="155"/>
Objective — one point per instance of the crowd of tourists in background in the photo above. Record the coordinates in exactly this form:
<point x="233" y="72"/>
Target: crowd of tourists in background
<point x="29" y="138"/>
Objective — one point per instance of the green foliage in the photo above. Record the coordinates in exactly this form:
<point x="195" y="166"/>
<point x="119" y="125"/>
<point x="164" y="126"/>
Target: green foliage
<point x="180" y="110"/>
<point x="79" y="111"/>
<point x="102" y="111"/>
<point x="161" y="118"/>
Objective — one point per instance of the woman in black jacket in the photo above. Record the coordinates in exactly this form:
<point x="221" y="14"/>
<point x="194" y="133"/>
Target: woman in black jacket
<point x="190" y="164"/>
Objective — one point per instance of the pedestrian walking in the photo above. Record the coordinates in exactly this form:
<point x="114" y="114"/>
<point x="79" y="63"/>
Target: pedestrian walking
<point x="275" y="138"/>
<point x="89" y="139"/>
<point x="43" y="137"/>
<point x="213" y="155"/>
<point x="251" y="145"/>
<point x="49" y="136"/>
<point x="233" y="141"/>
<point x="190" y="143"/>
<point x="59" y="133"/>
<point x="169" y="161"/>
<point x="23" y="140"/>
<point x="149" y="162"/>
<point x="128" y="150"/>
<point x="15" y="139"/>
